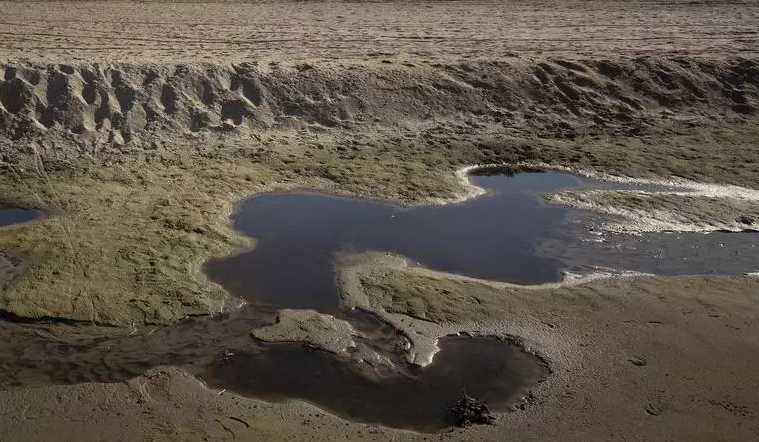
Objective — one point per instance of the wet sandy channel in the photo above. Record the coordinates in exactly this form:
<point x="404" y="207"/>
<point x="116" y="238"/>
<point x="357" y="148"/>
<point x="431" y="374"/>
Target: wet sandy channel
<point x="511" y="234"/>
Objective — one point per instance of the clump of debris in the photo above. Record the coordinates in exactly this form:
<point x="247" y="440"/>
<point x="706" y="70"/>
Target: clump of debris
<point x="469" y="411"/>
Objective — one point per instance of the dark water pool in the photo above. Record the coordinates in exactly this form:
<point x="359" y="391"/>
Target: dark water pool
<point x="414" y="398"/>
<point x="10" y="216"/>
<point x="300" y="234"/>
<point x="511" y="234"/>
<point x="11" y="264"/>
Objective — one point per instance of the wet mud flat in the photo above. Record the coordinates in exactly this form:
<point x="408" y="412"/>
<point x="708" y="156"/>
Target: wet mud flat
<point x="511" y="234"/>
<point x="221" y="352"/>
<point x="11" y="264"/>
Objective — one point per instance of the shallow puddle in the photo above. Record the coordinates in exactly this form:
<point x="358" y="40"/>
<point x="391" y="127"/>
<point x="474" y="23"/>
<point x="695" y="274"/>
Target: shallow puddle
<point x="511" y="235"/>
<point x="220" y="351"/>
<point x="300" y="234"/>
<point x="10" y="216"/>
<point x="413" y="398"/>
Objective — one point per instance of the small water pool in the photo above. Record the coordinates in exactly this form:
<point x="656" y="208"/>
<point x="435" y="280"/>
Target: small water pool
<point x="9" y="215"/>
<point x="414" y="398"/>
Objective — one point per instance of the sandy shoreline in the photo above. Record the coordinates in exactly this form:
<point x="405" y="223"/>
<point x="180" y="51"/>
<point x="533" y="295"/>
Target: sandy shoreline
<point x="138" y="126"/>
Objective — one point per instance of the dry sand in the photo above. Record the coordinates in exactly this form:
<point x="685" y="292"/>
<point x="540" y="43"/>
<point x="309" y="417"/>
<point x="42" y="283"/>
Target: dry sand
<point x="136" y="126"/>
<point x="424" y="32"/>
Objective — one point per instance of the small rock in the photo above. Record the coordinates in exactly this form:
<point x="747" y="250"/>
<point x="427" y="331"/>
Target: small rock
<point x="653" y="410"/>
<point x="468" y="411"/>
<point x="226" y="357"/>
<point x="745" y="219"/>
<point x="637" y="361"/>
<point x="228" y="125"/>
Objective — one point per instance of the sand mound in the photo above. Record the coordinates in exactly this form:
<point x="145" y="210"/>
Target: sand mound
<point x="115" y="104"/>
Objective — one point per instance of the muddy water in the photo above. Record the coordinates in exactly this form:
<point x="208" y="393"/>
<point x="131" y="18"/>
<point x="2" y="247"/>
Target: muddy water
<point x="511" y="234"/>
<point x="408" y="398"/>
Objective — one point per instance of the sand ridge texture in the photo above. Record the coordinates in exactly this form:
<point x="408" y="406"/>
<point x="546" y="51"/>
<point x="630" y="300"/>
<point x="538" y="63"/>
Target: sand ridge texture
<point x="136" y="127"/>
<point x="116" y="102"/>
<point x="98" y="108"/>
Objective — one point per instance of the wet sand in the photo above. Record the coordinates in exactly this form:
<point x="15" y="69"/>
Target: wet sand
<point x="654" y="360"/>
